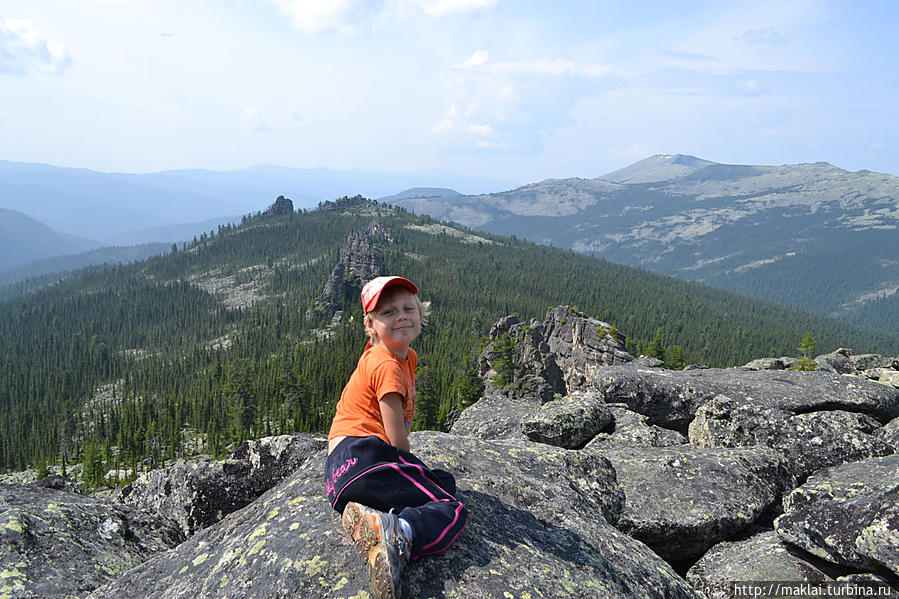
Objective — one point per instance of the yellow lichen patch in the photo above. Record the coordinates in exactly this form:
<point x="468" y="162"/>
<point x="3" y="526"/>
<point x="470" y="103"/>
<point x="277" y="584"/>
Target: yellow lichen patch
<point x="14" y="523"/>
<point x="200" y="559"/>
<point x="312" y="567"/>
<point x="183" y="570"/>
<point x="223" y="581"/>
<point x="274" y="513"/>
<point x="340" y="584"/>
<point x="257" y="533"/>
<point x="256" y="548"/>
<point x="12" y="581"/>
<point x="294" y="526"/>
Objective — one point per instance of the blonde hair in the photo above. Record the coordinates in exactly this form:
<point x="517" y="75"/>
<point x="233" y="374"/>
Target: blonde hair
<point x="389" y="294"/>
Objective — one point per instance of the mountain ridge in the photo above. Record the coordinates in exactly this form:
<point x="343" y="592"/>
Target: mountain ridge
<point x="744" y="228"/>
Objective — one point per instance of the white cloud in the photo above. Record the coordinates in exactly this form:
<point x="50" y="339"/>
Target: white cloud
<point x="313" y="16"/>
<point x="442" y="8"/>
<point x="23" y="49"/>
<point x="477" y="59"/>
<point x="543" y="66"/>
<point x="254" y="121"/>
<point x="456" y="130"/>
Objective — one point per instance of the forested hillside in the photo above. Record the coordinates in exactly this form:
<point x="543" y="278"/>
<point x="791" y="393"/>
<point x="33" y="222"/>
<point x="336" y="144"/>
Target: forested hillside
<point x="234" y="336"/>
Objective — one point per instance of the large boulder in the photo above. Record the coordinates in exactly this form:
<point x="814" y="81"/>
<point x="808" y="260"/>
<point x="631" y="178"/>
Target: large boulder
<point x="810" y="441"/>
<point x="556" y="356"/>
<point x="762" y="557"/>
<point x="671" y="398"/>
<point x="495" y="417"/>
<point x="848" y="515"/>
<point x="55" y="543"/>
<point x="533" y="529"/>
<point x="569" y="422"/>
<point x="681" y="500"/>
<point x="197" y="494"/>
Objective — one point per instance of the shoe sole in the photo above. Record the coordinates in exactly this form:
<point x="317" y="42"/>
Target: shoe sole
<point x="365" y="530"/>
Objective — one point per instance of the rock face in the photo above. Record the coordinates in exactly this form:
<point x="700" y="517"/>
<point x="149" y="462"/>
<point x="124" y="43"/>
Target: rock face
<point x="58" y="543"/>
<point x="555" y="356"/>
<point x="578" y="477"/>
<point x="359" y="261"/>
<point x="196" y="495"/>
<point x="281" y="207"/>
<point x="848" y="515"/>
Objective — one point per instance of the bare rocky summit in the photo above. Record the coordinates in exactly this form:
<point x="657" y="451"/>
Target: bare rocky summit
<point x="588" y="473"/>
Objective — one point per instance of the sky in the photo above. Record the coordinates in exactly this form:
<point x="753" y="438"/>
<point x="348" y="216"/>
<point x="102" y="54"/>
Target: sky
<point x="516" y="90"/>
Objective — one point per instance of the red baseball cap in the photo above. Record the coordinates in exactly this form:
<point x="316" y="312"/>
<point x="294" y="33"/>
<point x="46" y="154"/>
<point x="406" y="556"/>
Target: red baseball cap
<point x="372" y="290"/>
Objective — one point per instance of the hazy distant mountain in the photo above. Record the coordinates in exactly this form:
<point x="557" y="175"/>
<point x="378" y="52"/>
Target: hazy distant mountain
<point x="106" y="205"/>
<point x="58" y="267"/>
<point x="811" y="235"/>
<point x="420" y="192"/>
<point x="660" y="167"/>
<point x="23" y="240"/>
<point x="170" y="233"/>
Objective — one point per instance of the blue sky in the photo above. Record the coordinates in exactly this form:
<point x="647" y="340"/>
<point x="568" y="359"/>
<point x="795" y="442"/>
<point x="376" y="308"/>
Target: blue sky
<point x="513" y="89"/>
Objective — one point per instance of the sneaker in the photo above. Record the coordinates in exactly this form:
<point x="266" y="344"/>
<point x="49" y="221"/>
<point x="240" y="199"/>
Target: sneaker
<point x="382" y="544"/>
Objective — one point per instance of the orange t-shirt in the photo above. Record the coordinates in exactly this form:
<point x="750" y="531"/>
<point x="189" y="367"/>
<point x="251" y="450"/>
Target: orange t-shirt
<point x="378" y="373"/>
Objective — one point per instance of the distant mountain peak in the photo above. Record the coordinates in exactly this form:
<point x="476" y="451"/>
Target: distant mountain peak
<point x="660" y="167"/>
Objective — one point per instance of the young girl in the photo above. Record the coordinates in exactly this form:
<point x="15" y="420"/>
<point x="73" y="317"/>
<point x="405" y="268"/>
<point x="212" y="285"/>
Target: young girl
<point x="394" y="507"/>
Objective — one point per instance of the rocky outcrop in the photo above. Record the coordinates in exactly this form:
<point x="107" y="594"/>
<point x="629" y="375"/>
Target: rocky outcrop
<point x="848" y="515"/>
<point x="811" y="440"/>
<point x="556" y="356"/>
<point x="637" y="511"/>
<point x="533" y="529"/>
<point x="58" y="543"/>
<point x="198" y="494"/>
<point x="358" y="262"/>
<point x="671" y="398"/>
<point x="282" y="207"/>
<point x="875" y="367"/>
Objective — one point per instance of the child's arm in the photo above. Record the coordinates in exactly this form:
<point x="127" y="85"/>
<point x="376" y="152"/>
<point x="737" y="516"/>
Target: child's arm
<point x="392" y="415"/>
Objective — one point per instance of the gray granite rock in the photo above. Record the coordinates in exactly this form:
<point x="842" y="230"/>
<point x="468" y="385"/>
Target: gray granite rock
<point x="569" y="422"/>
<point x="848" y="515"/>
<point x="289" y="542"/>
<point x="495" y="417"/>
<point x="762" y="557"/>
<point x="556" y="356"/>
<point x="630" y="429"/>
<point x="671" y="398"/>
<point x="839" y="361"/>
<point x="810" y="441"/>
<point x="54" y="543"/>
<point x="889" y="433"/>
<point x="682" y="500"/>
<point x="197" y="494"/>
<point x="782" y="363"/>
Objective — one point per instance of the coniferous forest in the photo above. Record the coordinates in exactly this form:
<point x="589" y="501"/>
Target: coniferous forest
<point x="125" y="367"/>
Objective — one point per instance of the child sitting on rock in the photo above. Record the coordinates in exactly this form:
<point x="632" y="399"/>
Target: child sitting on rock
<point x="394" y="507"/>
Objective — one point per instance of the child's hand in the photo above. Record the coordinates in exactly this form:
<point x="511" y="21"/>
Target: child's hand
<point x="394" y="425"/>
